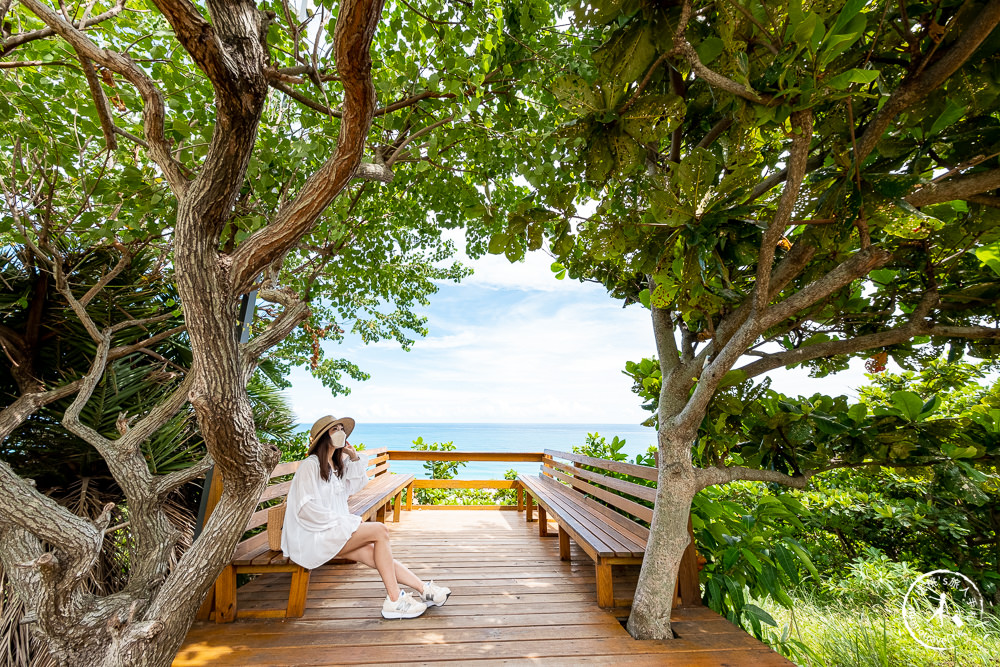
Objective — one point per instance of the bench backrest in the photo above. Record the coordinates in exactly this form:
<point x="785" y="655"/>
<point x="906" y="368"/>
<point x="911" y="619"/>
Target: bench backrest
<point x="378" y="464"/>
<point x="596" y="478"/>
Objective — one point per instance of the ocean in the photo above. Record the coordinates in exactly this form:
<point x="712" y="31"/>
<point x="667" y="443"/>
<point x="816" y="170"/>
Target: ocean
<point x="496" y="438"/>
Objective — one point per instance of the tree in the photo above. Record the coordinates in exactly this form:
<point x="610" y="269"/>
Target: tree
<point x="782" y="184"/>
<point x="223" y="138"/>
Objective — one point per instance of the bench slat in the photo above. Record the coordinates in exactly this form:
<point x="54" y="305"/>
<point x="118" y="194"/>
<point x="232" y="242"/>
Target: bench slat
<point x="275" y="491"/>
<point x="604" y="539"/>
<point x="615" y="539"/>
<point x="634" y="508"/>
<point x="287" y="468"/>
<point x="257" y="519"/>
<point x="644" y="472"/>
<point x="640" y="532"/>
<point x="250" y="548"/>
<point x="544" y="497"/>
<point x="631" y="488"/>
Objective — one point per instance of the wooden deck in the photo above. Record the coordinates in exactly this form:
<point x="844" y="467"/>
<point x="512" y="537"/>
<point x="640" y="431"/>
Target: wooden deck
<point x="513" y="602"/>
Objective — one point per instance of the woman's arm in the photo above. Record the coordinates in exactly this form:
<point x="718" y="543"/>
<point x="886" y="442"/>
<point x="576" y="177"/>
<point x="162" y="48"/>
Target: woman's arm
<point x="355" y="467"/>
<point x="303" y="495"/>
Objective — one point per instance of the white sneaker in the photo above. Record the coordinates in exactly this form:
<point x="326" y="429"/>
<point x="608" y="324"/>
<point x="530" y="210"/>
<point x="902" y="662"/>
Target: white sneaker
<point x="405" y="607"/>
<point x="434" y="595"/>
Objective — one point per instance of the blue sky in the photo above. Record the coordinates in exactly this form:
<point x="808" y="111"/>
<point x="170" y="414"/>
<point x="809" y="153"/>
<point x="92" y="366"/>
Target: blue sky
<point x="511" y="344"/>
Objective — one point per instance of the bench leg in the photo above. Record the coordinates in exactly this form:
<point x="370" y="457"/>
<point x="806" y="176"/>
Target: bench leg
<point x="225" y="596"/>
<point x="605" y="586"/>
<point x="298" y="593"/>
<point x="543" y="522"/>
<point x="520" y="499"/>
<point x="530" y="507"/>
<point x="409" y="498"/>
<point x="380" y="514"/>
<point x="397" y="506"/>
<point x="563" y="544"/>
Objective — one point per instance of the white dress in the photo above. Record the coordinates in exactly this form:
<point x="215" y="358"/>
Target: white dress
<point x="317" y="522"/>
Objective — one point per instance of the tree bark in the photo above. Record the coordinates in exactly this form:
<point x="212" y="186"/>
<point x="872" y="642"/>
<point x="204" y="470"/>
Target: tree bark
<point x="145" y="623"/>
<point x="668" y="535"/>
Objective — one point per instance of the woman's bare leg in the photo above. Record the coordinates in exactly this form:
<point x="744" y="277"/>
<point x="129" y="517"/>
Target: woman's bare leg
<point x="376" y="535"/>
<point x="366" y="556"/>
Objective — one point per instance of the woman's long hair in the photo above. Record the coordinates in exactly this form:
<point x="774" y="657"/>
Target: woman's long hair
<point x="322" y="450"/>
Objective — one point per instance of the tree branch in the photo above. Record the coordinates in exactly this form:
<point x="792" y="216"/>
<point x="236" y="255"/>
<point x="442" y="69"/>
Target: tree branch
<point x="858" y="265"/>
<point x="716" y="131"/>
<point x="707" y="477"/>
<point x="663" y="332"/>
<point x="419" y="133"/>
<point x="101" y="104"/>
<point x="123" y="262"/>
<point x="167" y="483"/>
<point x="791" y="265"/>
<point x="25" y="405"/>
<point x="280" y="85"/>
<point x="295" y="311"/>
<point x="356" y="24"/>
<point x="958" y="187"/>
<point x="684" y="49"/>
<point x="153" y="106"/>
<point x="778" y="178"/>
<point x="15" y="41"/>
<point x="802" y="125"/>
<point x="930" y="79"/>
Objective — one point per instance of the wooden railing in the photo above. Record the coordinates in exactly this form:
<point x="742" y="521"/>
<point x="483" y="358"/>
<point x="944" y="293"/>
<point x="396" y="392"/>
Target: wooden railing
<point x="496" y="457"/>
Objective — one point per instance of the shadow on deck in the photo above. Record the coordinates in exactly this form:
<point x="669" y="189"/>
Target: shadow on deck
<point x="513" y="602"/>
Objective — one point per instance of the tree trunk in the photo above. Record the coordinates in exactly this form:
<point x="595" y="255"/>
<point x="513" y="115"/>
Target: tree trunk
<point x="668" y="536"/>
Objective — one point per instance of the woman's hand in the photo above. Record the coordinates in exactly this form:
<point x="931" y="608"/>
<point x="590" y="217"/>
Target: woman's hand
<point x="350" y="451"/>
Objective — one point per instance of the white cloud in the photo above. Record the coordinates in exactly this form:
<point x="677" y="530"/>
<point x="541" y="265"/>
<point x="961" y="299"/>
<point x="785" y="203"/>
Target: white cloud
<point x="513" y="344"/>
<point x="533" y="273"/>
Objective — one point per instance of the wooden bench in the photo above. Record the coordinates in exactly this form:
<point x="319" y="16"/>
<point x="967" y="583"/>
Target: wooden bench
<point x="575" y="490"/>
<point x="253" y="555"/>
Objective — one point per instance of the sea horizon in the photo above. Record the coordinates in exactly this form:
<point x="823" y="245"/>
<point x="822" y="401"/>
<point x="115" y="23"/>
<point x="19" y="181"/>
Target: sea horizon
<point x="494" y="437"/>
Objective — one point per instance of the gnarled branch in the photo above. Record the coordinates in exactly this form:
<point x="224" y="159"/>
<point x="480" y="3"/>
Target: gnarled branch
<point x="356" y="24"/>
<point x="153" y="106"/>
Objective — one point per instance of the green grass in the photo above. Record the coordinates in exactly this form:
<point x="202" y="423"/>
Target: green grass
<point x="843" y="632"/>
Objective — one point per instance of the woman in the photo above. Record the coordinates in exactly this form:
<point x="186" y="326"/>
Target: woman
<point x="319" y="527"/>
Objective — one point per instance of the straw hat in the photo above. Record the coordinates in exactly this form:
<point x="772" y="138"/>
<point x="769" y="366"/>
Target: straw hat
<point x="324" y="424"/>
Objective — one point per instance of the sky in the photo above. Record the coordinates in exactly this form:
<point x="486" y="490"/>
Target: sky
<point x="511" y="344"/>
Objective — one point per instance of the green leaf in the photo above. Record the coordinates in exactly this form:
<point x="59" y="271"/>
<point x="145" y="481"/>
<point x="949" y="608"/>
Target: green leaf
<point x="760" y="614"/>
<point x="846" y="14"/>
<point x="710" y="49"/>
<point x="575" y="94"/>
<point x="600" y="161"/>
<point x="952" y="113"/>
<point x="695" y="175"/>
<point x="844" y="80"/>
<point x="627" y="154"/>
<point x="652" y="117"/>
<point x="625" y="58"/>
<point x="498" y="244"/>
<point x="733" y="377"/>
<point x="990" y="256"/>
<point x="784" y="559"/>
<point x="908" y="403"/>
<point x="803" y="557"/>
<point x="804" y="30"/>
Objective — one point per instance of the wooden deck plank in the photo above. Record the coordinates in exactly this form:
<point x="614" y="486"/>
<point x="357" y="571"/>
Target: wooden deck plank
<point x="513" y="603"/>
